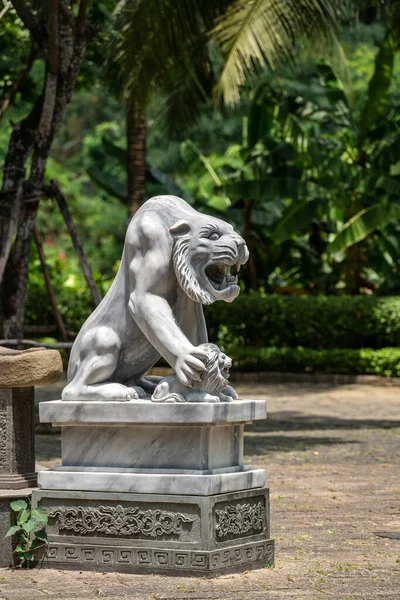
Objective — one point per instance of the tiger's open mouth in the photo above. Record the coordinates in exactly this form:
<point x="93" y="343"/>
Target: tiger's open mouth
<point x="219" y="275"/>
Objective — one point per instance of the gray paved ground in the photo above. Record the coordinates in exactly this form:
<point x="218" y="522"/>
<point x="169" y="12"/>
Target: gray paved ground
<point x="332" y="456"/>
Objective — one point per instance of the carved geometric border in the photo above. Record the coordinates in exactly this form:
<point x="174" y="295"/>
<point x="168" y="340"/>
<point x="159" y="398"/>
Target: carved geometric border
<point x="92" y="556"/>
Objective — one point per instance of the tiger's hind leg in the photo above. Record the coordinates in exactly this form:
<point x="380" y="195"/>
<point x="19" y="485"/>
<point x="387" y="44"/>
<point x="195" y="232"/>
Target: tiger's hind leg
<point x="99" y="351"/>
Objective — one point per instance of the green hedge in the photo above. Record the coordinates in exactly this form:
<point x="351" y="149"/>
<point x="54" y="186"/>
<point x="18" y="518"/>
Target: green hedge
<point x="384" y="362"/>
<point x="318" y="322"/>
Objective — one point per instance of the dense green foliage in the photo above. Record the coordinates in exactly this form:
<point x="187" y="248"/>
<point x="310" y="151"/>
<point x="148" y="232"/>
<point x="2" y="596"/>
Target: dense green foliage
<point x="307" y="170"/>
<point x="322" y="322"/>
<point x="306" y="166"/>
<point x="384" y="362"/>
<point x="308" y="334"/>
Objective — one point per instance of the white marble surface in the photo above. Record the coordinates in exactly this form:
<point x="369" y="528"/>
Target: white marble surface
<point x="175" y="260"/>
<point x="146" y="412"/>
<point x="153" y="446"/>
<point x="130" y="481"/>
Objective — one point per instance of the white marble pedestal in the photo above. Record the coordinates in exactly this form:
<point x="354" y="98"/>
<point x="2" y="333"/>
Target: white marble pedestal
<point x="140" y="479"/>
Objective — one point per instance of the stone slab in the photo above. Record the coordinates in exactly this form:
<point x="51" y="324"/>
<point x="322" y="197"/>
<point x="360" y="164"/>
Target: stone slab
<point x="11" y="494"/>
<point x="157" y="533"/>
<point x="193" y="447"/>
<point x="131" y="481"/>
<point x="27" y="368"/>
<point x="61" y="412"/>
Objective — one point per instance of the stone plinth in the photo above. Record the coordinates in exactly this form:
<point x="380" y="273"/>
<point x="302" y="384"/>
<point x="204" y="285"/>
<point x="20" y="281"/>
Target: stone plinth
<point x="19" y="372"/>
<point x="154" y="533"/>
<point x="143" y="447"/>
<point x="155" y="487"/>
<point x="17" y="441"/>
<point x="144" y="412"/>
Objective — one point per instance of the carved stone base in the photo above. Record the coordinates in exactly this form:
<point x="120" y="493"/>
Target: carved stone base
<point x="167" y="561"/>
<point x="14" y="481"/>
<point x="137" y="533"/>
<point x="17" y="430"/>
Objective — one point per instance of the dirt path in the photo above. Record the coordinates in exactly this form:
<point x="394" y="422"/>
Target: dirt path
<point x="332" y="456"/>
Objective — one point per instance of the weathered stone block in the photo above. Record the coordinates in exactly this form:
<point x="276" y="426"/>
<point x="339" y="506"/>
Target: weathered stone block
<point x="158" y="533"/>
<point x="17" y="442"/>
<point x="6" y="545"/>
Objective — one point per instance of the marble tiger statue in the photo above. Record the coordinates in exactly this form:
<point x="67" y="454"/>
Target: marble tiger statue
<point x="175" y="260"/>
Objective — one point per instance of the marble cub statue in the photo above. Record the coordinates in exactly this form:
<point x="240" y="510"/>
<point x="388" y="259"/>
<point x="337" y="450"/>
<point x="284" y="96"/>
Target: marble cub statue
<point x="175" y="259"/>
<point x="212" y="387"/>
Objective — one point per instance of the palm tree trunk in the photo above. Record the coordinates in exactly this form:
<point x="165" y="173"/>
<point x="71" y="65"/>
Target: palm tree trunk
<point x="248" y="237"/>
<point x="136" y="156"/>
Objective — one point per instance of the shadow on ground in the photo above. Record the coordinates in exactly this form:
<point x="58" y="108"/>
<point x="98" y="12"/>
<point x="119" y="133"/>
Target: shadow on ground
<point x="261" y="445"/>
<point x="295" y="421"/>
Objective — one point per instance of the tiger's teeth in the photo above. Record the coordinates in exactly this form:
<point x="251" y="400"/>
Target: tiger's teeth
<point x="239" y="266"/>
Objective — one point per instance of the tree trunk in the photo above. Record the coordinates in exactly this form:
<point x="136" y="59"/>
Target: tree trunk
<point x="21" y="143"/>
<point x="136" y="156"/>
<point x="354" y="265"/>
<point x="11" y="207"/>
<point x="9" y="99"/>
<point x="64" y="43"/>
<point x="49" y="287"/>
<point x="16" y="276"/>
<point x="248" y="238"/>
<point x="86" y="270"/>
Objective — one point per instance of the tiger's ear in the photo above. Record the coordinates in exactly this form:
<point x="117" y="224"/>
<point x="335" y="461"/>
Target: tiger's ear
<point x="179" y="229"/>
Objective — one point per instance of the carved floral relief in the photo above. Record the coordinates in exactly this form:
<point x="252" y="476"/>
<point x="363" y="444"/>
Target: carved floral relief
<point x="117" y="520"/>
<point x="239" y="519"/>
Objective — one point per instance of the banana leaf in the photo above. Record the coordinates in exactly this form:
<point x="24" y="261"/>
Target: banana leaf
<point x="363" y="223"/>
<point x="378" y="87"/>
<point x="109" y="184"/>
<point x="296" y="220"/>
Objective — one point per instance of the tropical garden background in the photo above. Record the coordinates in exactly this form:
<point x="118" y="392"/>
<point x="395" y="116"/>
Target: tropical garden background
<point x="280" y="116"/>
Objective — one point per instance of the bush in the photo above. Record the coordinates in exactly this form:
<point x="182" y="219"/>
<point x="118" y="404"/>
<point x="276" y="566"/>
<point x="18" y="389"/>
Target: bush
<point x="384" y="362"/>
<point x="318" y="322"/>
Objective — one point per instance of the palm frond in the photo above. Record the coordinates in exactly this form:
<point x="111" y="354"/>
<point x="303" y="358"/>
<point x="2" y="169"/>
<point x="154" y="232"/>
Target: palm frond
<point x="161" y="42"/>
<point x="265" y="32"/>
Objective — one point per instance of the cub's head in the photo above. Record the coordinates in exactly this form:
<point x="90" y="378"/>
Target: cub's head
<point x="215" y="378"/>
<point x="205" y="251"/>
